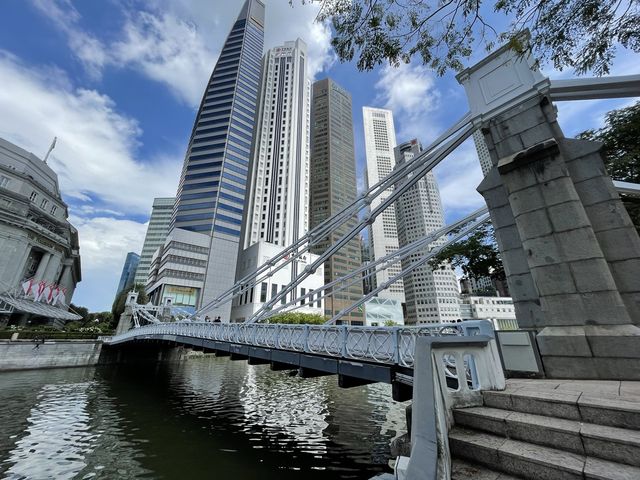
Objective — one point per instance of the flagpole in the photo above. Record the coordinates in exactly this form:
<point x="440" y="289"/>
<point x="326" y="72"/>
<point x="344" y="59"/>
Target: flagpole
<point x="53" y="144"/>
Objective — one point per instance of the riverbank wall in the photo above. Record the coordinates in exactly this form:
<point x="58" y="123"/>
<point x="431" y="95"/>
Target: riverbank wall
<point x="29" y="354"/>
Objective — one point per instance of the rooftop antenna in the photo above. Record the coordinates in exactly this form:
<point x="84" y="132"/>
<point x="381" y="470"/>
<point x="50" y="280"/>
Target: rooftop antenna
<point x="53" y="144"/>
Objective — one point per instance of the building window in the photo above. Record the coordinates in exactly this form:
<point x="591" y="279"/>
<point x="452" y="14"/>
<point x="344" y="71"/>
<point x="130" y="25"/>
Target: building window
<point x="33" y="196"/>
<point x="4" y="181"/>
<point x="53" y="209"/>
<point x="44" y="203"/>
<point x="302" y="293"/>
<point x="263" y="292"/>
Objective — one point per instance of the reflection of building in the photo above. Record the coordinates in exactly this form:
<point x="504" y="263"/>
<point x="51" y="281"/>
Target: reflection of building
<point x="380" y="140"/>
<point x="128" y="271"/>
<point x="211" y="192"/>
<point x="498" y="310"/>
<point x="156" y="234"/>
<point x="37" y="242"/>
<point x="431" y="295"/>
<point x="381" y="311"/>
<point x="178" y="268"/>
<point x="333" y="187"/>
<point x="278" y="194"/>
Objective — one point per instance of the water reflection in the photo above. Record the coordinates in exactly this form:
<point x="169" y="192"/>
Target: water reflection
<point x="206" y="418"/>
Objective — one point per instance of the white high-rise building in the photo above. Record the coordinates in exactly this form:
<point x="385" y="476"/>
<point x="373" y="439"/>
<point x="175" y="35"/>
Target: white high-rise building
<point x="483" y="152"/>
<point x="277" y="208"/>
<point x="432" y="296"/>
<point x="380" y="140"/>
<point x="157" y="231"/>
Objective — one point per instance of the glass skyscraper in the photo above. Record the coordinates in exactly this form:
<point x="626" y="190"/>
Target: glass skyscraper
<point x="333" y="187"/>
<point x="212" y="188"/>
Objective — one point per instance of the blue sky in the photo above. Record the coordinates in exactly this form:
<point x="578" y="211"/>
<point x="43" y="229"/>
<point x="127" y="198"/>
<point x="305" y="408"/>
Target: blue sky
<point x="118" y="82"/>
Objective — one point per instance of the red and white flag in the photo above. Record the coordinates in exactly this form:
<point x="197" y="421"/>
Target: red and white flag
<point x="27" y="287"/>
<point x="42" y="285"/>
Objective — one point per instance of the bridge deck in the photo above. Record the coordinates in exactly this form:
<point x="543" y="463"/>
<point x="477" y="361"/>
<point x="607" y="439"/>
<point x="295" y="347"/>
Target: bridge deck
<point x="358" y="355"/>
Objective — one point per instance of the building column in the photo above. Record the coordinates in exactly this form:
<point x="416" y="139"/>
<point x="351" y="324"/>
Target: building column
<point x="52" y="269"/>
<point x="42" y="266"/>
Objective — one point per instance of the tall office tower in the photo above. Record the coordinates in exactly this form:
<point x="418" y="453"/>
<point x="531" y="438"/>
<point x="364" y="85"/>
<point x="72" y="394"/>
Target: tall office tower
<point x="380" y="140"/>
<point x="278" y="199"/>
<point x="156" y="234"/>
<point x="333" y="187"/>
<point x="483" y="152"/>
<point x="212" y="187"/>
<point x="277" y="204"/>
<point x="432" y="295"/>
<point x="128" y="271"/>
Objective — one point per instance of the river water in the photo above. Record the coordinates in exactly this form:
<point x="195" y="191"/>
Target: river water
<point x="202" y="418"/>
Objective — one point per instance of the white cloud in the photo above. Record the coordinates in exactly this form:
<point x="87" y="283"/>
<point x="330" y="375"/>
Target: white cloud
<point x="104" y="243"/>
<point x="458" y="177"/>
<point x="168" y="50"/>
<point x="86" y="47"/>
<point x="95" y="156"/>
<point x="176" y="43"/>
<point x="409" y="91"/>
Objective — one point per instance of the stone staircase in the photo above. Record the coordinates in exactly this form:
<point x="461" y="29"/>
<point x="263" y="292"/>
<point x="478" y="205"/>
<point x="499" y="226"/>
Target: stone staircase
<point x="547" y="430"/>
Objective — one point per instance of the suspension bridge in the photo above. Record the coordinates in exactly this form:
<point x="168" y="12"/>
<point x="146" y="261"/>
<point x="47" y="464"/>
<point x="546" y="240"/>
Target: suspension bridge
<point x="569" y="249"/>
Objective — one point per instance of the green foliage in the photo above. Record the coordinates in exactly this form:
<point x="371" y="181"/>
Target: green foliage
<point x="297" y="318"/>
<point x="121" y="298"/>
<point x="621" y="139"/>
<point x="477" y="256"/>
<point x="389" y="323"/>
<point x="581" y="34"/>
<point x="82" y="311"/>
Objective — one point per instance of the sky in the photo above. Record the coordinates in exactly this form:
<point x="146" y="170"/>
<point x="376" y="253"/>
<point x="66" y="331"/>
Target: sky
<point x="119" y="82"/>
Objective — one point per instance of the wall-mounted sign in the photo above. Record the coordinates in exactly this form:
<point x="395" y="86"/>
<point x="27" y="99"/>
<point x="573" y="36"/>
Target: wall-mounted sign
<point x="42" y="292"/>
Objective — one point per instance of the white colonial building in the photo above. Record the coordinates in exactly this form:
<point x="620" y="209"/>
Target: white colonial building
<point x="380" y="140"/>
<point x="431" y="295"/>
<point x="39" y="248"/>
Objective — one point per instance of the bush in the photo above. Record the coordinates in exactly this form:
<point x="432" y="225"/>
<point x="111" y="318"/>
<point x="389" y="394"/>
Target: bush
<point x="297" y="318"/>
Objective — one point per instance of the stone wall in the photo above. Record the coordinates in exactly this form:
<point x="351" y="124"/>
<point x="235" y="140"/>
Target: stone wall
<point x="27" y="354"/>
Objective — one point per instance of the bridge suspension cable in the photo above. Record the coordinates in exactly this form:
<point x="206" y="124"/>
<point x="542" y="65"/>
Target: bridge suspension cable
<point x="303" y="245"/>
<point x="372" y="268"/>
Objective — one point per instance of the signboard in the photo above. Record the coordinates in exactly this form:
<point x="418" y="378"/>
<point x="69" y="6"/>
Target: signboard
<point x="42" y="292"/>
<point x="180" y="296"/>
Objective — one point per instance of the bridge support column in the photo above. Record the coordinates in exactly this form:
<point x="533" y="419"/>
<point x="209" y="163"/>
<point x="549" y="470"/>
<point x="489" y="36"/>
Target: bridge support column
<point x="569" y="249"/>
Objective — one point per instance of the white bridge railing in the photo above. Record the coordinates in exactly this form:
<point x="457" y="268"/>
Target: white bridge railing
<point x="390" y="345"/>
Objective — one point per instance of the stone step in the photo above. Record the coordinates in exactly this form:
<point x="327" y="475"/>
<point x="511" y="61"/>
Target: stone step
<point x="463" y="470"/>
<point x="613" y="411"/>
<point x="533" y="462"/>
<point x="609" y="443"/>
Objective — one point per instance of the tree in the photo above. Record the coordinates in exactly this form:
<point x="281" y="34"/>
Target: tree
<point x="82" y="311"/>
<point x="477" y="256"/>
<point x="297" y="318"/>
<point x="581" y="34"/>
<point x="121" y="298"/>
<point x="621" y="148"/>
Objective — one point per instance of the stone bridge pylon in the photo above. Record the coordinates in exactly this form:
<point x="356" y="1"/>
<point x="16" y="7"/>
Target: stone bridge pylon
<point x="569" y="248"/>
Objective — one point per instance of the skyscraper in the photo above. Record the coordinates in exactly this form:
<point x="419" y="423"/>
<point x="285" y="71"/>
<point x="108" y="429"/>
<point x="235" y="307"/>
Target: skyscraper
<point x="278" y="199"/>
<point x="380" y="140"/>
<point x="128" y="271"/>
<point x="333" y="186"/>
<point x="483" y="152"/>
<point x="156" y="234"/>
<point x="277" y="207"/>
<point x="212" y="187"/>
<point x="431" y="295"/>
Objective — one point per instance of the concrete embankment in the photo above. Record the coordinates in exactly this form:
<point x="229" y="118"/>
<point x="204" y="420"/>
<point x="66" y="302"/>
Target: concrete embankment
<point x="28" y="354"/>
